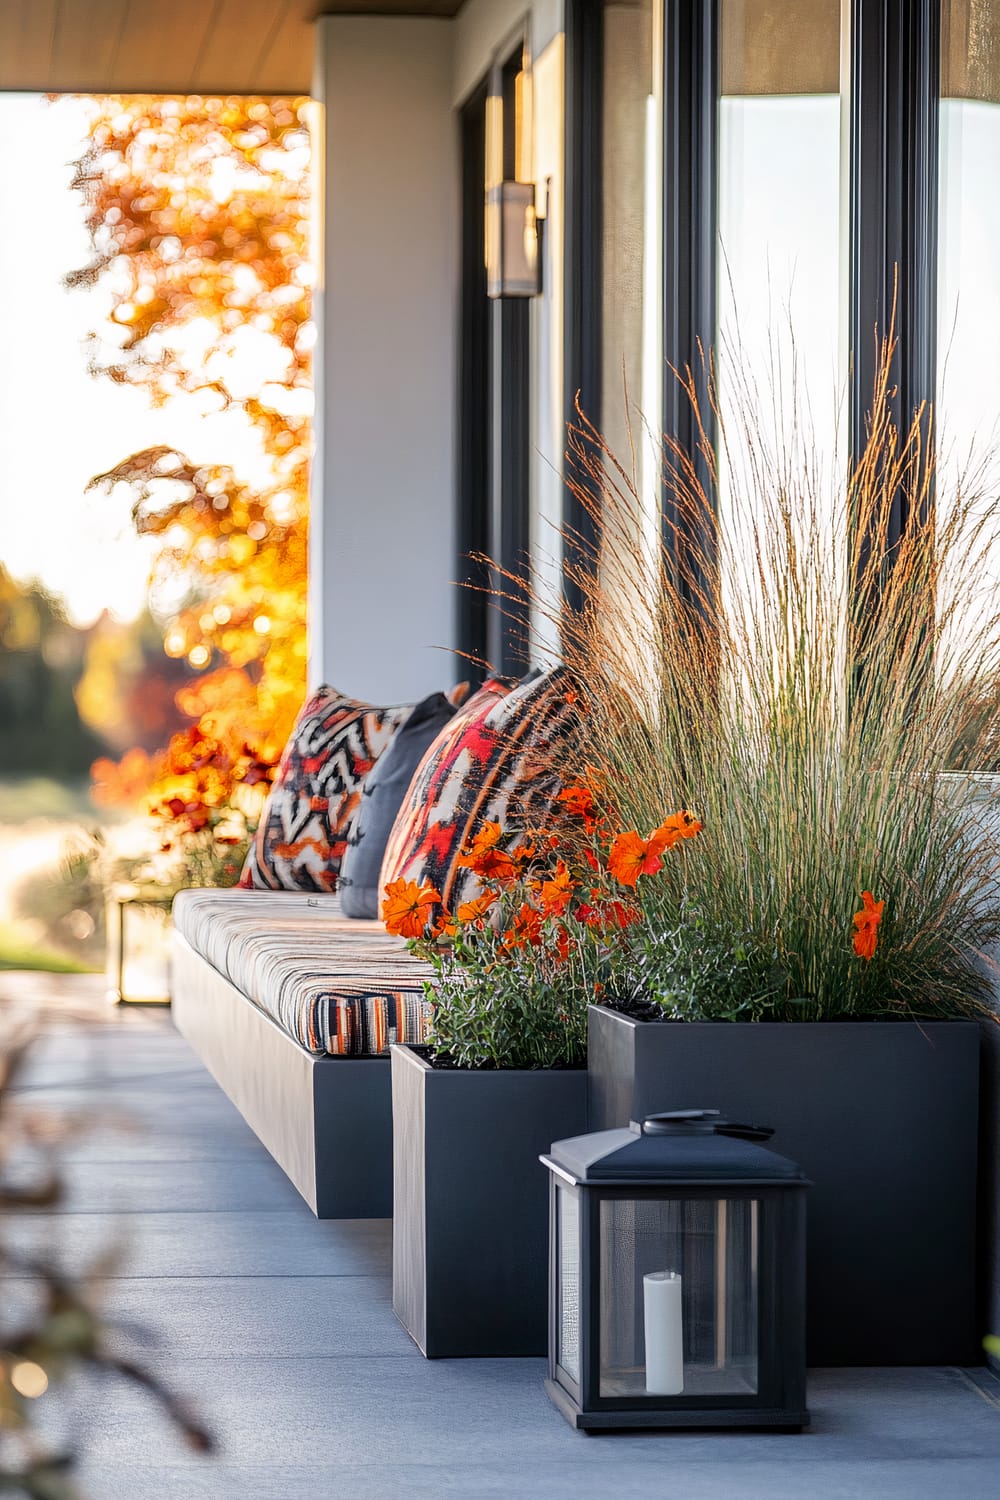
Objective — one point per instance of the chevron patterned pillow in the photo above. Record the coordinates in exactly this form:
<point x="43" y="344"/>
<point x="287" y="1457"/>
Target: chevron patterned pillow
<point x="308" y="816"/>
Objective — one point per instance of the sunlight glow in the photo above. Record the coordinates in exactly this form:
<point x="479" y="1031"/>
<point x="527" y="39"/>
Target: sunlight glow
<point x="59" y="425"/>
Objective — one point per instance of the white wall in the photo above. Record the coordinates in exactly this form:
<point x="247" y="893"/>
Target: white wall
<point x="383" y="542"/>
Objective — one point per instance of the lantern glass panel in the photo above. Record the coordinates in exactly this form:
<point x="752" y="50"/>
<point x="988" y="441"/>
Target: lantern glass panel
<point x="568" y="1317"/>
<point x="138" y="947"/>
<point x="678" y="1297"/>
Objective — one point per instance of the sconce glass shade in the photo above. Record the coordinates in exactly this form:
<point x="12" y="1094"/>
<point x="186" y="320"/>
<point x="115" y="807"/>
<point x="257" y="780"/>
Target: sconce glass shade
<point x="138" y="942"/>
<point x="512" y="260"/>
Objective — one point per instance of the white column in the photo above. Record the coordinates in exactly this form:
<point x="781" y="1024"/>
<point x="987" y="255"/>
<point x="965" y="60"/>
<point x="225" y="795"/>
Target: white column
<point x="383" y="490"/>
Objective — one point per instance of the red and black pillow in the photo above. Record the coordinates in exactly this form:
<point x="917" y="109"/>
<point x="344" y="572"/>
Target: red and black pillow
<point x="498" y="760"/>
<point x="304" y="828"/>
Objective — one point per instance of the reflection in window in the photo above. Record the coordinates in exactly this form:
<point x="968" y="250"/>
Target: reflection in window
<point x="782" y="292"/>
<point x="782" y="172"/>
<point x="631" y="302"/>
<point x="631" y="336"/>
<point x="969" y="236"/>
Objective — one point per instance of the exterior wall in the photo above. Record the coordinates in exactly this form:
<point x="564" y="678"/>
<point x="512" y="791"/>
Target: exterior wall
<point x="382" y="549"/>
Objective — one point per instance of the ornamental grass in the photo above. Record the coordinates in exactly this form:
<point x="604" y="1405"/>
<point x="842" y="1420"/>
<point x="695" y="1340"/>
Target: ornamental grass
<point x="809" y="662"/>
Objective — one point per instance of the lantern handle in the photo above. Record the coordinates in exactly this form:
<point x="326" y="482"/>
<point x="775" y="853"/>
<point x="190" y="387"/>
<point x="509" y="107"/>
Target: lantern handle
<point x="702" y="1122"/>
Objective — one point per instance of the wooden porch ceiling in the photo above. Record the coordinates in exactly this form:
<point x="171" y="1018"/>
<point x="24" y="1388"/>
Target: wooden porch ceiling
<point x="172" y="46"/>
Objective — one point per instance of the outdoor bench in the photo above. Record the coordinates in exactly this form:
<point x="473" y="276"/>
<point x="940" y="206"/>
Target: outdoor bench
<point x="293" y="1004"/>
<point x="292" y="1007"/>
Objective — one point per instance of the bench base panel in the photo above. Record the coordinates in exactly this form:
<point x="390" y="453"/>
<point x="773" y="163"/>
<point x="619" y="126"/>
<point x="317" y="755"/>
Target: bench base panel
<point x="327" y="1121"/>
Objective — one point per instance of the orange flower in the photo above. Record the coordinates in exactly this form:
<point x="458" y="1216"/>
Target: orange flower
<point x="608" y="915"/>
<point x="191" y="815"/>
<point x="408" y="907"/>
<point x="564" y="944"/>
<point x="445" y="926"/>
<point x="631" y="856"/>
<point x="555" y="893"/>
<point x="680" y="825"/>
<point x="193" y="750"/>
<point x="486" y="839"/>
<point x="255" y="768"/>
<point x="866" y="921"/>
<point x="526" y="929"/>
<point x="579" y="802"/>
<point x="476" y="909"/>
<point x="486" y="858"/>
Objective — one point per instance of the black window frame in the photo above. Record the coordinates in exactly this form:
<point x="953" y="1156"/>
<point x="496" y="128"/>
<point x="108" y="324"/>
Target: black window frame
<point x="583" y="265"/>
<point x="510" y="428"/>
<point x="894" y="104"/>
<point x="494" y="481"/>
<point x="473" y="519"/>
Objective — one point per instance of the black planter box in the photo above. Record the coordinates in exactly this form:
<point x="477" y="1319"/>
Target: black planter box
<point x="470" y="1203"/>
<point x="883" y="1118"/>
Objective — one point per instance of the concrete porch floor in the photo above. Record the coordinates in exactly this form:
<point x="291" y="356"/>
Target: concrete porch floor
<point x="280" y="1329"/>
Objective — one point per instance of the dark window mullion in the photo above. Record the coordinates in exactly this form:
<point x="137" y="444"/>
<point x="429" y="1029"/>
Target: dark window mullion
<point x="510" y="387"/>
<point x="582" y="261"/>
<point x="473" y="520"/>
<point x="510" y="542"/>
<point x="895" y="91"/>
<point x="895" y="83"/>
<point x="690" y="248"/>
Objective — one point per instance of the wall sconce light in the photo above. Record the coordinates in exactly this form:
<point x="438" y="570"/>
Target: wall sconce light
<point x="512" y="213"/>
<point x="512" y="230"/>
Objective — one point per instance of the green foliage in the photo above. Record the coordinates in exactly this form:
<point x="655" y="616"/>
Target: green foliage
<point x="41" y="661"/>
<point x="23" y="798"/>
<point x="799" y="678"/>
<point x="527" y="1010"/>
<point x="17" y="952"/>
<point x="519" y="962"/>
<point x="67" y="901"/>
<point x="691" y="971"/>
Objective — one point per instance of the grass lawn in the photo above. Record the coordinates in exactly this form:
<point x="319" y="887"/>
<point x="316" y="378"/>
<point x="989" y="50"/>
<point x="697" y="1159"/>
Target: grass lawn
<point x="16" y="952"/>
<point x="25" y="797"/>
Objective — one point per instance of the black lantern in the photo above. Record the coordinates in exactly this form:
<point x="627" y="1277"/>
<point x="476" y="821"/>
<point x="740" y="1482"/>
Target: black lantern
<point x="138" y="945"/>
<point x="677" y="1277"/>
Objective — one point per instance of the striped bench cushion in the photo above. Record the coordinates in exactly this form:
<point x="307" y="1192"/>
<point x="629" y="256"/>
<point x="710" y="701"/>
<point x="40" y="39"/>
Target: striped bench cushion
<point x="335" y="984"/>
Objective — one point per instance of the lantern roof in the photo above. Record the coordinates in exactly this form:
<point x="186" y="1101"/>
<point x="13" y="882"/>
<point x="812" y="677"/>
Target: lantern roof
<point x="699" y="1147"/>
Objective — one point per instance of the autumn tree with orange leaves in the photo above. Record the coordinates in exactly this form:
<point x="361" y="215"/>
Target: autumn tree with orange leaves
<point x="198" y="211"/>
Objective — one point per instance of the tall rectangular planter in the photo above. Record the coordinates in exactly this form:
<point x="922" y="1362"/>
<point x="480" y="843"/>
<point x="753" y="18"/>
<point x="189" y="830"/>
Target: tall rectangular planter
<point x="882" y="1116"/>
<point x="470" y="1202"/>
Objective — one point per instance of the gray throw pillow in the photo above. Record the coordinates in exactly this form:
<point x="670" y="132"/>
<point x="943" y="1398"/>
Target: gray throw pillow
<point x="383" y="791"/>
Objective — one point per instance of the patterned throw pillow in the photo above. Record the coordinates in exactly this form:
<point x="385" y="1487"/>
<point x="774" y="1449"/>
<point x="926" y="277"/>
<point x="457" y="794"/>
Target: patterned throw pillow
<point x="306" y="820"/>
<point x="497" y="761"/>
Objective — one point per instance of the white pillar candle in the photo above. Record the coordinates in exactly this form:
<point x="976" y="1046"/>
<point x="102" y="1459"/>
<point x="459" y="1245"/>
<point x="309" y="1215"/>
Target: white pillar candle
<point x="663" y="1317"/>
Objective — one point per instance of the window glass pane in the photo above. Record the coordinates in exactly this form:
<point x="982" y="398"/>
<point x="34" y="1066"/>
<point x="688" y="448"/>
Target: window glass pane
<point x="630" y="317"/>
<point x="782" y="289"/>
<point x="782" y="181"/>
<point x="968" y="241"/>
<point x="679" y="1297"/>
<point x="631" y="303"/>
